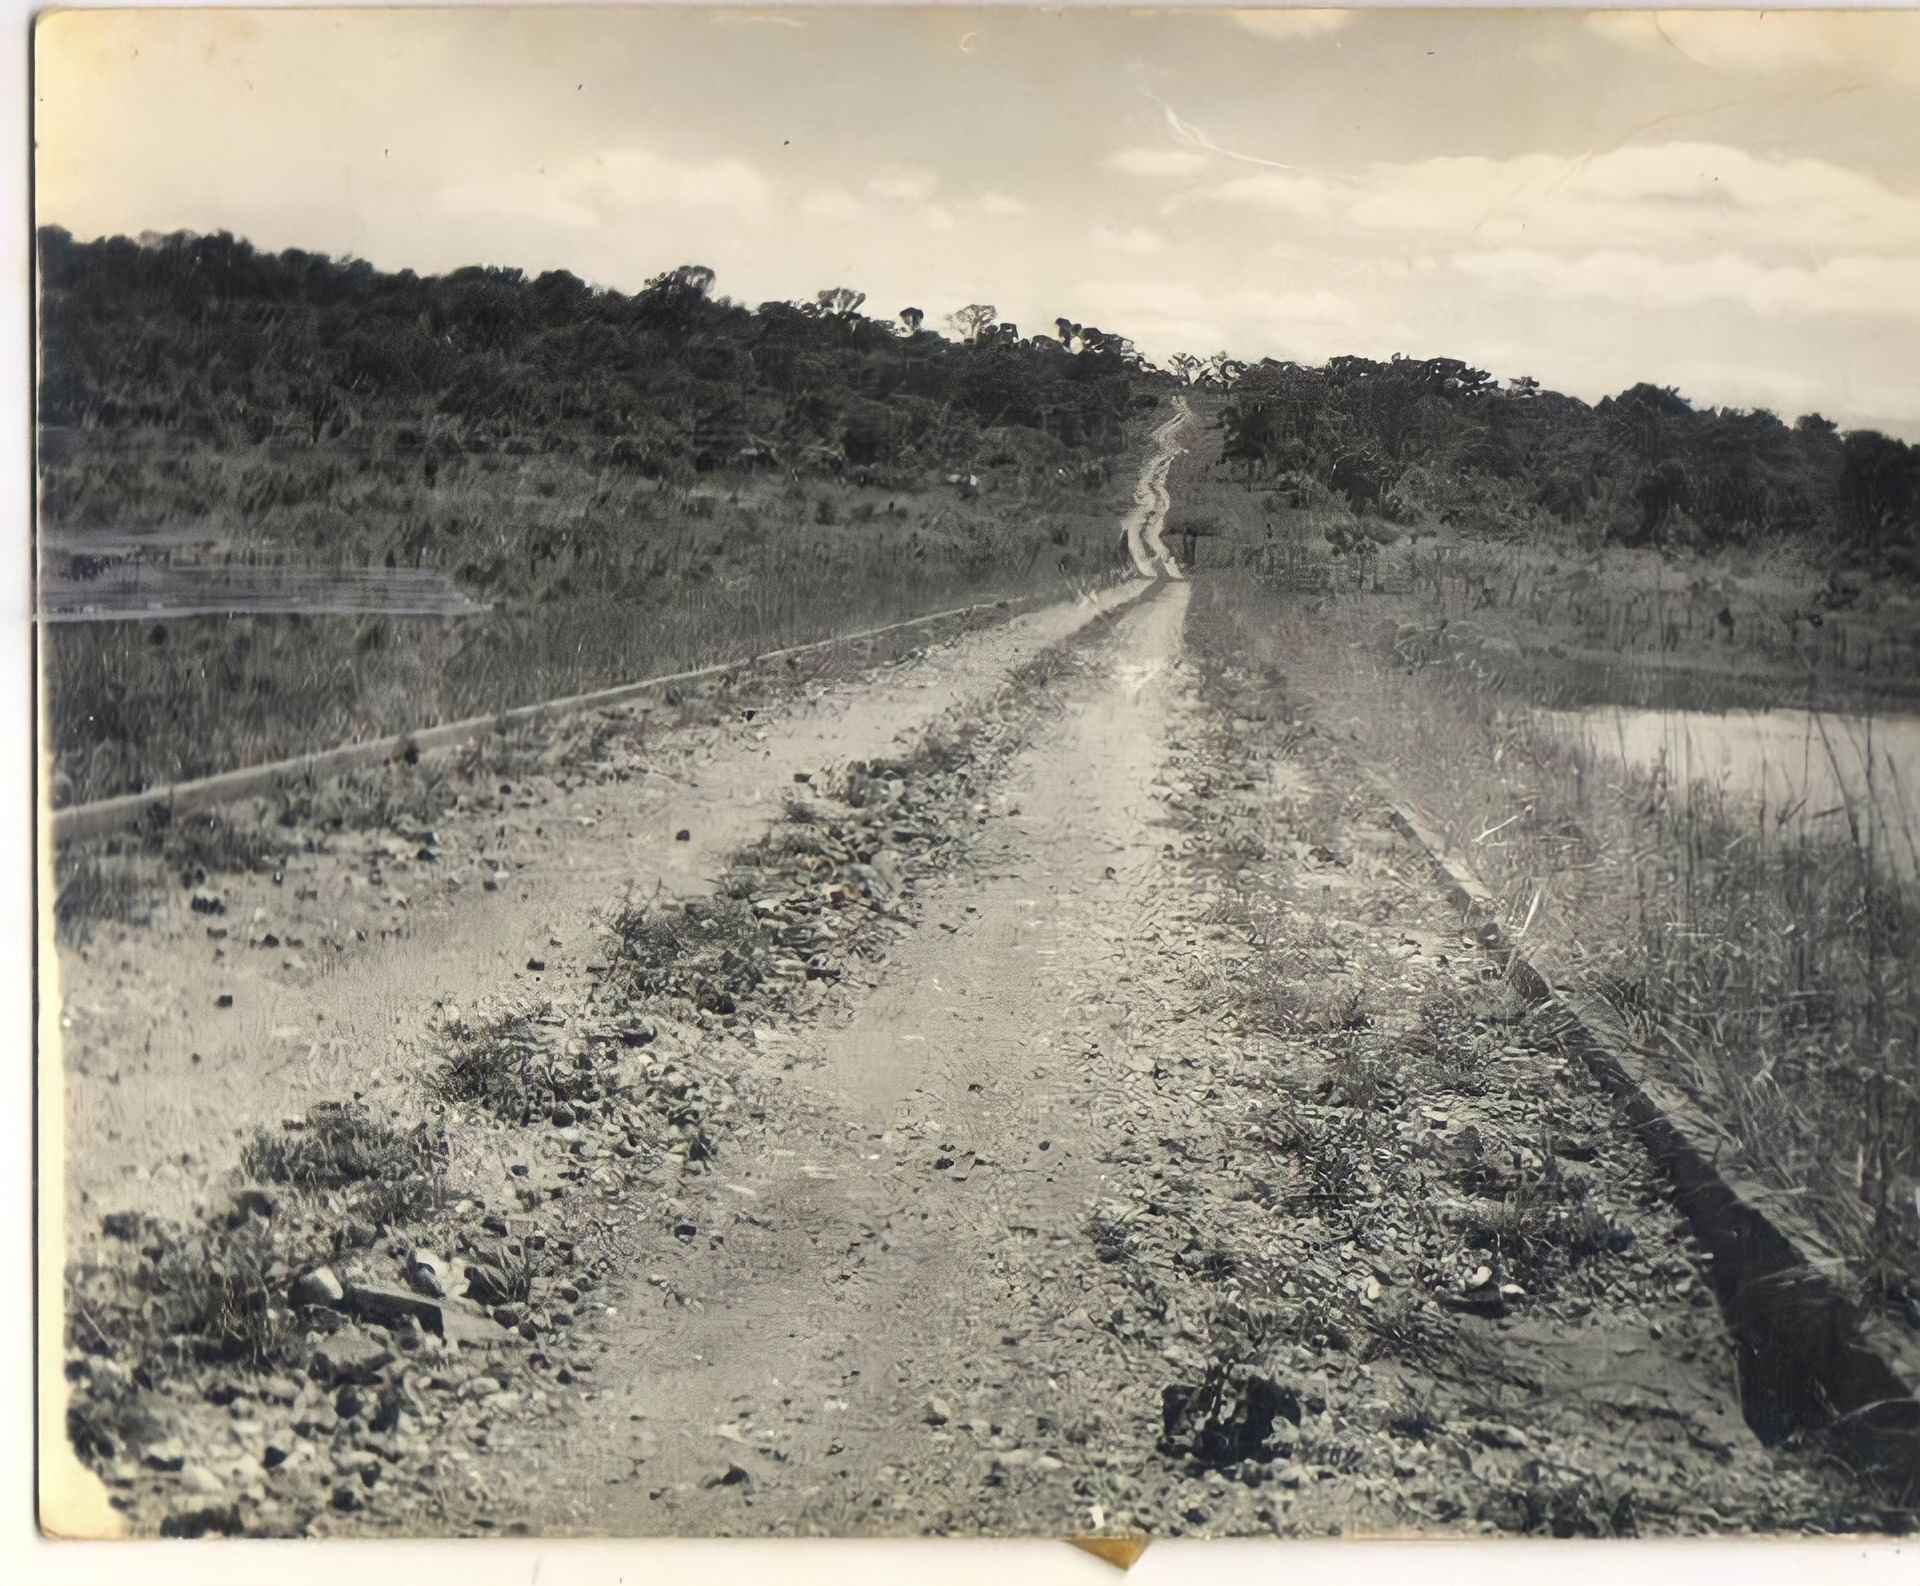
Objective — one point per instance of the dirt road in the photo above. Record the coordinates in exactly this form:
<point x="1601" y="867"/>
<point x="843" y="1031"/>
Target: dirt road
<point x="1151" y="558"/>
<point x="340" y="962"/>
<point x="1131" y="1119"/>
<point x="1135" y="1143"/>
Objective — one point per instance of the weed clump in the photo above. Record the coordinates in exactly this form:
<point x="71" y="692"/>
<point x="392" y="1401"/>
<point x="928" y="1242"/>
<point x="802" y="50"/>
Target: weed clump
<point x="710" y="952"/>
<point x="385" y="1176"/>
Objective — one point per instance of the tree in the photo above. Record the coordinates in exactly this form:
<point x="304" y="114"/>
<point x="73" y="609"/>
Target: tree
<point x="913" y="319"/>
<point x="837" y="302"/>
<point x="1662" y="492"/>
<point x="1879" y="491"/>
<point x="686" y="280"/>
<point x="972" y="323"/>
<point x="1225" y="370"/>
<point x="672" y="298"/>
<point x="1186" y="366"/>
<point x="1252" y="437"/>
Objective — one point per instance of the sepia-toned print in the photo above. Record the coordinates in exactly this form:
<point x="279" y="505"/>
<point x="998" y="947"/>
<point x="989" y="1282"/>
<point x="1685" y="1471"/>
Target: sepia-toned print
<point x="863" y="772"/>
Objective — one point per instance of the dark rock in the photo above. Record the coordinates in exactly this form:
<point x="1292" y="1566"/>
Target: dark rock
<point x="429" y="1275"/>
<point x="1227" y="1418"/>
<point x="251" y="1200"/>
<point x="170" y="1455"/>
<point x="382" y="1302"/>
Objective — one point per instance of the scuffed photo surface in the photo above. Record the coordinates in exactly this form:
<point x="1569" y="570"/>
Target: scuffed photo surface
<point x="860" y="773"/>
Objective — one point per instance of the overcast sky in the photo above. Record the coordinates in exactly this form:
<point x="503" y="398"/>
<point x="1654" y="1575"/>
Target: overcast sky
<point x="1729" y="203"/>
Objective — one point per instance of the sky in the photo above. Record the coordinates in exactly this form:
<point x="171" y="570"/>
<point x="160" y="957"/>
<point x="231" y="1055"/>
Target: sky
<point x="1728" y="203"/>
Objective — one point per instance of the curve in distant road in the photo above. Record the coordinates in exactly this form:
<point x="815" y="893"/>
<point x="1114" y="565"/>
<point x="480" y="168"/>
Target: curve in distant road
<point x="1151" y="558"/>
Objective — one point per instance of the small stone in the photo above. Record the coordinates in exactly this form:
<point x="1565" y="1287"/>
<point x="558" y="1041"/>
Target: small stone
<point x="429" y="1274"/>
<point x="317" y="1287"/>
<point x="346" y="1497"/>
<point x="168" y="1455"/>
<point x="683" y="836"/>
<point x="935" y="1412"/>
<point x="349" y="1355"/>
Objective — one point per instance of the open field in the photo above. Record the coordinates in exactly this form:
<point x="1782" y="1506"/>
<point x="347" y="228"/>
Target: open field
<point x="641" y="580"/>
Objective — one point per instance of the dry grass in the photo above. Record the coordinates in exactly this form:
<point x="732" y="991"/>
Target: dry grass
<point x="631" y="580"/>
<point x="383" y="1176"/>
<point x="1769" y="970"/>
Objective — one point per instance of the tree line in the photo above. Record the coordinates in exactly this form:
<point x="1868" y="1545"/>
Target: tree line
<point x="1417" y="439"/>
<point x="221" y="345"/>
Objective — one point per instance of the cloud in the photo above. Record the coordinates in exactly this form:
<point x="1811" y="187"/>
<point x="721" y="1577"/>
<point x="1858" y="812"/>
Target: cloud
<point x="1672" y="198"/>
<point x="530" y="198"/>
<point x="1847" y="285"/>
<point x="1163" y="317"/>
<point x="754" y="19"/>
<point x="1157" y="162"/>
<point x="1135" y="239"/>
<point x="635" y="178"/>
<point x="1298" y="195"/>
<point x="613" y="186"/>
<point x="1291" y="25"/>
<point x="905" y="184"/>
<point x="1767" y="43"/>
<point x="1002" y="204"/>
<point x="831" y="203"/>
